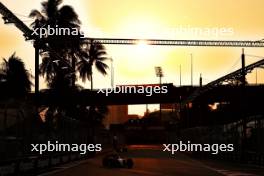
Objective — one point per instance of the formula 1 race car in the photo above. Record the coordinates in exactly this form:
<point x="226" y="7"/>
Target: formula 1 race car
<point x="115" y="161"/>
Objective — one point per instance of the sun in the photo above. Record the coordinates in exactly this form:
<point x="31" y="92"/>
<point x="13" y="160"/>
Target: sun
<point x="142" y="47"/>
<point x="143" y="53"/>
<point x="140" y="59"/>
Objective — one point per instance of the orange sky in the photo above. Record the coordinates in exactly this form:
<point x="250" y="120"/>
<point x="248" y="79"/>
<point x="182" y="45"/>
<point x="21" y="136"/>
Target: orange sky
<point x="155" y="19"/>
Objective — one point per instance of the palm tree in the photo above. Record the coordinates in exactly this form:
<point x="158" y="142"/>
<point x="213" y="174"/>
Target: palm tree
<point x="95" y="55"/>
<point x="58" y="75"/>
<point x="59" y="69"/>
<point x="66" y="48"/>
<point x="15" y="77"/>
<point x="69" y="49"/>
<point x="15" y="83"/>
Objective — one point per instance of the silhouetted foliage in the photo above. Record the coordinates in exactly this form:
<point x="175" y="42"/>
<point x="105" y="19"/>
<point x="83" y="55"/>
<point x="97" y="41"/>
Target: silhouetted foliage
<point x="58" y="65"/>
<point x="94" y="55"/>
<point x="68" y="54"/>
<point x="14" y="77"/>
<point x="69" y="50"/>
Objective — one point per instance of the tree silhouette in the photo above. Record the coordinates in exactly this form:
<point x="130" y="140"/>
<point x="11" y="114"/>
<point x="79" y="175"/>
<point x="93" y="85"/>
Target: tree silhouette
<point x="14" y="77"/>
<point x="95" y="55"/>
<point x="66" y="49"/>
<point x="58" y="65"/>
<point x="70" y="49"/>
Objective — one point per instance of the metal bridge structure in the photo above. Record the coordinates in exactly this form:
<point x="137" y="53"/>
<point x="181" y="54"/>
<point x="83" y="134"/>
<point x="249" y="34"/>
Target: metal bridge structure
<point x="162" y="42"/>
<point x="236" y="77"/>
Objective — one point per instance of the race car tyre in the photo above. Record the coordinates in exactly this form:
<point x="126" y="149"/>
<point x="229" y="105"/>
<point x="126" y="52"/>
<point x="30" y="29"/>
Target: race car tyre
<point x="130" y="163"/>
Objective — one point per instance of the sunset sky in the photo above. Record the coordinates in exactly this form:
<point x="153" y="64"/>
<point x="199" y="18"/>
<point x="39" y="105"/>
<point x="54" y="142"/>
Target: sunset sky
<point x="159" y="19"/>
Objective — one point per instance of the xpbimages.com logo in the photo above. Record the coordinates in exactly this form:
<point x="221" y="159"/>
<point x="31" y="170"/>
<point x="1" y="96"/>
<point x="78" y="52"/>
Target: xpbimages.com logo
<point x="59" y="147"/>
<point x="148" y="90"/>
<point x="189" y="147"/>
<point x="48" y="30"/>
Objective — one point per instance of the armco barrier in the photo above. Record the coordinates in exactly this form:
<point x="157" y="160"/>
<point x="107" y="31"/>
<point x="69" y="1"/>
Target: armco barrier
<point x="65" y="158"/>
<point x="27" y="165"/>
<point x="37" y="164"/>
<point x="8" y="168"/>
<point x="43" y="163"/>
<point x="249" y="157"/>
<point x="55" y="160"/>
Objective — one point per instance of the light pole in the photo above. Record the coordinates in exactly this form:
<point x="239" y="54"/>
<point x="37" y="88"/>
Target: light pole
<point x="180" y="76"/>
<point x="201" y="80"/>
<point x="191" y="69"/>
<point x="112" y="72"/>
<point x="159" y="73"/>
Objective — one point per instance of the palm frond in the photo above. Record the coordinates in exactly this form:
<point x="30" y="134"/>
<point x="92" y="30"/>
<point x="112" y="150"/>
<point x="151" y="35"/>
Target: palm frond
<point x="67" y="14"/>
<point x="36" y="14"/>
<point x="101" y="67"/>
